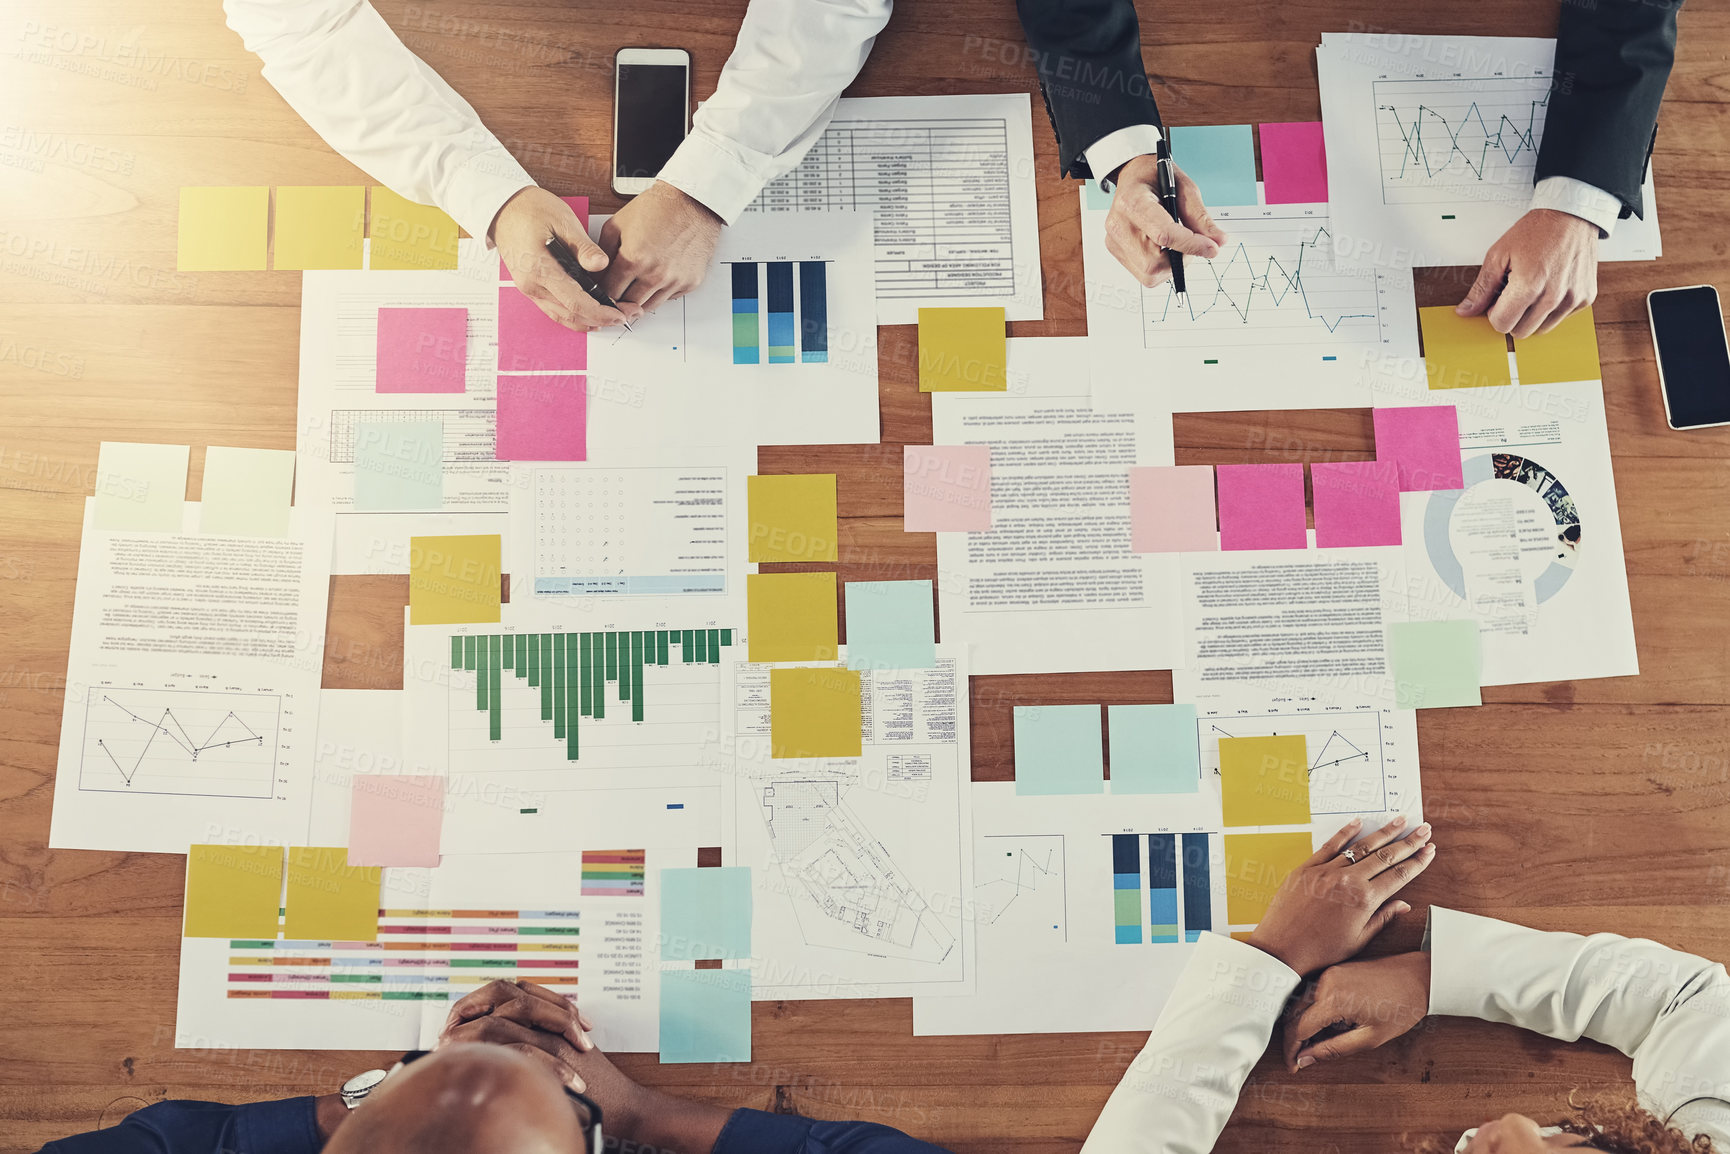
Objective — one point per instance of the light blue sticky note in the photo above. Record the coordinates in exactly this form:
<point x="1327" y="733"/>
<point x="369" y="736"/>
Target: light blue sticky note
<point x="705" y="913"/>
<point x="1220" y="158"/>
<point x="890" y="625"/>
<point x="398" y="466"/>
<point x="1097" y="198"/>
<point x="1154" y="749"/>
<point x="706" y="1015"/>
<point x="1059" y="749"/>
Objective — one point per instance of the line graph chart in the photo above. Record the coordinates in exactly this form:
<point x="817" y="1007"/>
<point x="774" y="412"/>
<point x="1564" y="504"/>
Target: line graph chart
<point x="1348" y="752"/>
<point x="1018" y="879"/>
<point x="191" y="742"/>
<point x="1446" y="139"/>
<point x="1275" y="281"/>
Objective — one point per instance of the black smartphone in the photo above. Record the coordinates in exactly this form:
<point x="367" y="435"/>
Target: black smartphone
<point x="1693" y="355"/>
<point x="651" y="113"/>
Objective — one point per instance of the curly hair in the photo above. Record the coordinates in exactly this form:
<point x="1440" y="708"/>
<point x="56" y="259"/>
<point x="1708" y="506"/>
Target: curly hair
<point x="1611" y="1124"/>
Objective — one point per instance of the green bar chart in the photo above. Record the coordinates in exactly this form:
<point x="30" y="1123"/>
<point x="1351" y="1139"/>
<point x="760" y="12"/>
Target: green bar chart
<point x="572" y="671"/>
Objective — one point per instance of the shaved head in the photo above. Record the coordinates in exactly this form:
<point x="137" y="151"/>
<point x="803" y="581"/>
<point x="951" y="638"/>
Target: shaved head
<point x="463" y="1099"/>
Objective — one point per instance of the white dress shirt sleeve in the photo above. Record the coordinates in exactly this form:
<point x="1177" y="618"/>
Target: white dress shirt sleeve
<point x="1115" y="149"/>
<point x="339" y="65"/>
<point x="776" y="94"/>
<point x="1577" y="198"/>
<point x="1668" y="1010"/>
<point x="1176" y="1096"/>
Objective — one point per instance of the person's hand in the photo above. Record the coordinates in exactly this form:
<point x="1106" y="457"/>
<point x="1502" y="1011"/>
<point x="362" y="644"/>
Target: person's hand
<point x="1329" y="908"/>
<point x="1138" y="230"/>
<point x="1360" y="1005"/>
<point x="526" y="1017"/>
<point x="521" y="231"/>
<point x="660" y="245"/>
<point x="1539" y="273"/>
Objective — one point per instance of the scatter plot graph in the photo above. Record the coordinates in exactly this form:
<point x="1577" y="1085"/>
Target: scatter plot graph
<point x="180" y="741"/>
<point x="1276" y="276"/>
<point x="1444" y="140"/>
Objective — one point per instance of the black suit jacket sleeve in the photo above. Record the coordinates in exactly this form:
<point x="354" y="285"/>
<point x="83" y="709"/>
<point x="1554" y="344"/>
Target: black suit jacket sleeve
<point x="1088" y="53"/>
<point x="1613" y="59"/>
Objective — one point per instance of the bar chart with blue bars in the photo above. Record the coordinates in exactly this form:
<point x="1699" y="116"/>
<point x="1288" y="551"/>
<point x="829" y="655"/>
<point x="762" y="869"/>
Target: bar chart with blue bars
<point x="1163" y="897"/>
<point x="780" y="318"/>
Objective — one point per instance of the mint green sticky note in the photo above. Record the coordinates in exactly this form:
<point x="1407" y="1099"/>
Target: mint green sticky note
<point x="1098" y="199"/>
<point x="140" y="488"/>
<point x="247" y="492"/>
<point x="1437" y="664"/>
<point x="1154" y="749"/>
<point x="398" y="466"/>
<point x="705" y="913"/>
<point x="890" y="625"/>
<point x="706" y="1014"/>
<point x="1220" y="158"/>
<point x="1059" y="749"/>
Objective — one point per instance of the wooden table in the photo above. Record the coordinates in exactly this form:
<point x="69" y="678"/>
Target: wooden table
<point x="1593" y="805"/>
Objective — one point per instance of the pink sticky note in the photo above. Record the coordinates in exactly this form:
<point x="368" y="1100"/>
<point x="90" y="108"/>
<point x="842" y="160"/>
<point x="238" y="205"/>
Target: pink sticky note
<point x="395" y="820"/>
<point x="1424" y="442"/>
<point x="948" y="488"/>
<point x="542" y="418"/>
<point x="422" y="350"/>
<point x="1294" y="163"/>
<point x="1171" y="509"/>
<point x="1356" y="503"/>
<point x="530" y="341"/>
<point x="579" y="205"/>
<point x="1261" y="507"/>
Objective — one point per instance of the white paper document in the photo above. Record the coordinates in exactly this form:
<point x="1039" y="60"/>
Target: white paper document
<point x="191" y="688"/>
<point x="554" y="729"/>
<point x="525" y="916"/>
<point x="1052" y="587"/>
<point x="949" y="183"/>
<point x="1432" y="146"/>
<point x="1273" y="322"/>
<point x="1532" y="546"/>
<point x="860" y="866"/>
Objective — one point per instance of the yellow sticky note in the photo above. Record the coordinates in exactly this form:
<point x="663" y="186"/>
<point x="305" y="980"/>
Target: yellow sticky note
<point x="792" y="518"/>
<point x="232" y="891"/>
<point x="1264" y="780"/>
<point x="963" y="350"/>
<point x="222" y="229"/>
<point x="319" y="227"/>
<point x="247" y="492"/>
<point x="1568" y="352"/>
<point x="792" y="616"/>
<point x="453" y="580"/>
<point x="1462" y="352"/>
<point x="409" y="235"/>
<point x="327" y="899"/>
<point x="1255" y="865"/>
<point x="814" y="712"/>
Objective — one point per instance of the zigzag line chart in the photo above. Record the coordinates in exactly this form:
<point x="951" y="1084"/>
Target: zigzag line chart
<point x="1461" y="138"/>
<point x="1347" y="773"/>
<point x="1275" y="278"/>
<point x="190" y="742"/>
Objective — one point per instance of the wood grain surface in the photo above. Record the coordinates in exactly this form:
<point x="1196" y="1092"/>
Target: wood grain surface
<point x="1594" y="805"/>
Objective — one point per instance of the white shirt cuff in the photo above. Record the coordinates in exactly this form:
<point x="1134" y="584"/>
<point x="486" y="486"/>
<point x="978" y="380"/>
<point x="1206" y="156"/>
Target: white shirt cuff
<point x="474" y="193"/>
<point x="704" y="169"/>
<point x="1577" y="198"/>
<point x="1115" y="149"/>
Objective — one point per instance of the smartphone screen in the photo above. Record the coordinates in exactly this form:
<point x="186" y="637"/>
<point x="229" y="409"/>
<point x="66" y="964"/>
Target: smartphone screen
<point x="1693" y="359"/>
<point x="650" y="118"/>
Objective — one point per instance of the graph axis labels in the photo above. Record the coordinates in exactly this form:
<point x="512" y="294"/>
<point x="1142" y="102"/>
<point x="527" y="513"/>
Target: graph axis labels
<point x="1445" y="139"/>
<point x="148" y="741"/>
